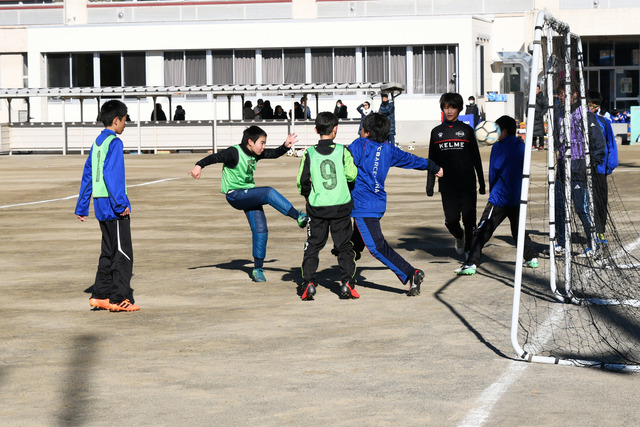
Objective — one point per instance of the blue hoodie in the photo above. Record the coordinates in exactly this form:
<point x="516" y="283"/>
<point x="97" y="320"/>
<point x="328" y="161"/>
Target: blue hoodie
<point x="373" y="160"/>
<point x="505" y="172"/>
<point x="611" y="148"/>
<point x="105" y="208"/>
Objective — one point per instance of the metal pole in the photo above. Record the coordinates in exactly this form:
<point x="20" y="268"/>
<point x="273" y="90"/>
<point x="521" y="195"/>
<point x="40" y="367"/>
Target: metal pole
<point x="64" y="128"/>
<point x="139" y="128"/>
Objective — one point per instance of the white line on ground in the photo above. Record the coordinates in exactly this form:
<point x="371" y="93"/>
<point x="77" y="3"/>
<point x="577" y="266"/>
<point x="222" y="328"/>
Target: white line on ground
<point x="492" y="394"/>
<point x="75" y="195"/>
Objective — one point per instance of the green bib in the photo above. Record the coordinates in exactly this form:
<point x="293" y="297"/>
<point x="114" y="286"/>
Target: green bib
<point x="98" y="154"/>
<point x="329" y="184"/>
<point x="240" y="177"/>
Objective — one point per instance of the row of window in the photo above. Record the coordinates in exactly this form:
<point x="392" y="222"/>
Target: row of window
<point x="429" y="69"/>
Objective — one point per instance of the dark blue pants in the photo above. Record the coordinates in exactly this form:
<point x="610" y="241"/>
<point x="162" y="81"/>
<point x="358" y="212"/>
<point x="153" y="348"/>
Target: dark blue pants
<point x="367" y="232"/>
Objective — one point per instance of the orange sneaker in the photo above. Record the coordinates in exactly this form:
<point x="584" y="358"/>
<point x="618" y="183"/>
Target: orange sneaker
<point x="100" y="304"/>
<point x="124" y="306"/>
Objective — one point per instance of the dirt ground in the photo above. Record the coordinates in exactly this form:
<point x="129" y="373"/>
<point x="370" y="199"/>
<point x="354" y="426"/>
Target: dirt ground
<point x="210" y="347"/>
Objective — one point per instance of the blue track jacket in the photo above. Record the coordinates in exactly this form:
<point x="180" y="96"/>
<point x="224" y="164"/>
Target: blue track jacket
<point x="373" y="160"/>
<point x="505" y="172"/>
<point x="611" y="148"/>
<point x="105" y="208"/>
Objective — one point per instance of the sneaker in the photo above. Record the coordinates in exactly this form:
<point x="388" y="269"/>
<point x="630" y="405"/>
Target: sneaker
<point x="348" y="290"/>
<point x="466" y="270"/>
<point x="541" y="148"/>
<point x="124" y="306"/>
<point x="558" y="250"/>
<point x="309" y="290"/>
<point x="303" y="219"/>
<point x="532" y="263"/>
<point x="460" y="245"/>
<point x="414" y="283"/>
<point x="258" y="275"/>
<point x="601" y="240"/>
<point x="100" y="304"/>
<point x="588" y="253"/>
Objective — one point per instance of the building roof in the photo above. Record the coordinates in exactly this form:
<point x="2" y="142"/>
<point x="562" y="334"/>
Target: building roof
<point x="216" y="90"/>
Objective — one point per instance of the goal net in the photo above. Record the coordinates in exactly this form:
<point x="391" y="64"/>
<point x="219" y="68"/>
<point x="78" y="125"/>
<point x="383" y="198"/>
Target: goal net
<point x="582" y="305"/>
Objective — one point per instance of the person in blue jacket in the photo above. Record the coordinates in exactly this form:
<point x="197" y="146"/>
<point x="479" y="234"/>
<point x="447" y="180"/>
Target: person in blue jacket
<point x="373" y="154"/>
<point x="388" y="110"/>
<point x="610" y="162"/>
<point x="505" y="184"/>
<point x="104" y="179"/>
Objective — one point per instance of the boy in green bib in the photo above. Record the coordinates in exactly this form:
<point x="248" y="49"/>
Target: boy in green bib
<point x="104" y="180"/>
<point x="239" y="164"/>
<point x="324" y="172"/>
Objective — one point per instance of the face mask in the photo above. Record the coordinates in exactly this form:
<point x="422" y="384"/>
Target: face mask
<point x="471" y="102"/>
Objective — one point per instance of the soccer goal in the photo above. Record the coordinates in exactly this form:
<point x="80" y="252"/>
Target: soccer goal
<point x="582" y="305"/>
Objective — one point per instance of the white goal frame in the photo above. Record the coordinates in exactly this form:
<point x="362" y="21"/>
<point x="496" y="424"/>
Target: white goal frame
<point x="545" y="21"/>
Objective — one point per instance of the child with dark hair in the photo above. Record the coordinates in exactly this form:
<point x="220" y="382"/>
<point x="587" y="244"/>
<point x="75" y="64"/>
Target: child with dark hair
<point x="374" y="156"/>
<point x="239" y="164"/>
<point x="453" y="145"/>
<point x="599" y="173"/>
<point x="505" y="184"/>
<point x="104" y="179"/>
<point x="324" y="172"/>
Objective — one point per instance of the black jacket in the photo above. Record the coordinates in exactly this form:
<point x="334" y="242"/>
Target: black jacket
<point x="453" y="146"/>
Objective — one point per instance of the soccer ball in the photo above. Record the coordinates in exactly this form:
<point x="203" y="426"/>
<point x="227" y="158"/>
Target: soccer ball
<point x="487" y="133"/>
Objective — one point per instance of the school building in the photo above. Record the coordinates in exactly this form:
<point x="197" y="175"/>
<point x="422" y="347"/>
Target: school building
<point x="281" y="50"/>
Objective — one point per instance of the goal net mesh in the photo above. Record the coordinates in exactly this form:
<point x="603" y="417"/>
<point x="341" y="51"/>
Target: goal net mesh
<point x="583" y="303"/>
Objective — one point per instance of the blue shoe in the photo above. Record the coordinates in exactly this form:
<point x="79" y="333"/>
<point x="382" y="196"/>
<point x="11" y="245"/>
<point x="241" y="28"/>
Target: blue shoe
<point x="588" y="253"/>
<point x="600" y="239"/>
<point x="258" y="275"/>
<point x="303" y="219"/>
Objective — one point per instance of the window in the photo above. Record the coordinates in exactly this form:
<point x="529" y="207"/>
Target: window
<point x="294" y="69"/>
<point x="344" y="67"/>
<point x="25" y="70"/>
<point x="134" y="69"/>
<point x="58" y="70"/>
<point x="185" y="68"/>
<point x="272" y="66"/>
<point x="196" y="67"/>
<point x="480" y="68"/>
<point x="398" y="65"/>
<point x="245" y="67"/>
<point x="626" y="53"/>
<point x="418" y="69"/>
<point x="433" y="69"/>
<point x="173" y="68"/>
<point x="600" y="54"/>
<point x="322" y="65"/>
<point x="122" y="69"/>
<point x="222" y="67"/>
<point x="377" y="61"/>
<point x="82" y="69"/>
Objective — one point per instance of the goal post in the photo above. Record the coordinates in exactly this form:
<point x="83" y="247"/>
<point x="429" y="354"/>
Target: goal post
<point x="581" y="307"/>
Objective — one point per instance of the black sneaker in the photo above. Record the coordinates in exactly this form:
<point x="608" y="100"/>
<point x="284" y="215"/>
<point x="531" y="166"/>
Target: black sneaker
<point x="308" y="291"/>
<point x="414" y="283"/>
<point x="348" y="290"/>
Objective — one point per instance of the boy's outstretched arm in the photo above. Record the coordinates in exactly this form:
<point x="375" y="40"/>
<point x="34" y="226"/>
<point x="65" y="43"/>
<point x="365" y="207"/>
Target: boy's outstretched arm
<point x="195" y="172"/>
<point x="292" y="138"/>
